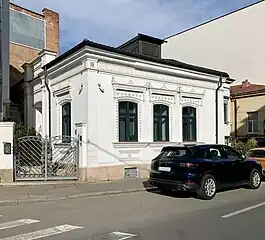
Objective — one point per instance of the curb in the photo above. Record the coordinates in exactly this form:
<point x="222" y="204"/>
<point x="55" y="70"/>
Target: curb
<point x="82" y="195"/>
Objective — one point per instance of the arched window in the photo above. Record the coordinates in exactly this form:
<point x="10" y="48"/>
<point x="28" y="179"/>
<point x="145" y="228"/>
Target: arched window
<point x="66" y="119"/>
<point x="189" y="124"/>
<point x="128" y="121"/>
<point x="161" y="122"/>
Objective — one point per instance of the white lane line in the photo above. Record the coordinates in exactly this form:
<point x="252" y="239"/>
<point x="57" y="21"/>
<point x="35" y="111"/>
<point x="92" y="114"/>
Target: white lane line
<point x="243" y="210"/>
<point x="17" y="223"/>
<point x="43" y="233"/>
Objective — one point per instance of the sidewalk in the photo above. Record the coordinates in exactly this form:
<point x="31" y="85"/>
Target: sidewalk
<point x="18" y="193"/>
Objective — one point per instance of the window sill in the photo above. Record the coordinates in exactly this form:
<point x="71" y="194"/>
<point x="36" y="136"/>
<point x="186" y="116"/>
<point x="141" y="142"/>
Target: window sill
<point x="144" y="144"/>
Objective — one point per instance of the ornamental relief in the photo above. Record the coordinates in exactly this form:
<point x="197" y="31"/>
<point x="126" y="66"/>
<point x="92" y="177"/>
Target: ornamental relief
<point x="163" y="98"/>
<point x="112" y="68"/>
<point x="63" y="98"/>
<point x="128" y="95"/>
<point x="193" y="101"/>
<point x="140" y="111"/>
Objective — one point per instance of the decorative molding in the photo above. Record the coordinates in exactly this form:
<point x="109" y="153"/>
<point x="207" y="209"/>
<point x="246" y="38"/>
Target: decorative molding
<point x="63" y="95"/>
<point x="130" y="144"/>
<point x="164" y="99"/>
<point x="167" y="78"/>
<point x="130" y="86"/>
<point x="186" y="101"/>
<point x="133" y="97"/>
<point x="128" y="95"/>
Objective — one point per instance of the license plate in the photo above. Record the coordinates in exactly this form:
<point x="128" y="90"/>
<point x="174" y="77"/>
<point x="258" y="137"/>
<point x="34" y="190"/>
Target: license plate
<point x="164" y="169"/>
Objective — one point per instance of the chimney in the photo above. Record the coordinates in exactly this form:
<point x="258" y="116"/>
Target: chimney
<point x="245" y="84"/>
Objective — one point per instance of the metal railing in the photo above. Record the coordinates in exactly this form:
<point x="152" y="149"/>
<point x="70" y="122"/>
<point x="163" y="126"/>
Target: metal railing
<point x="37" y="158"/>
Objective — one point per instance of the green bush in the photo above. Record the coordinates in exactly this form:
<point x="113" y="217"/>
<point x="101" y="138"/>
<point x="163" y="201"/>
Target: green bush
<point x="244" y="147"/>
<point x="21" y="131"/>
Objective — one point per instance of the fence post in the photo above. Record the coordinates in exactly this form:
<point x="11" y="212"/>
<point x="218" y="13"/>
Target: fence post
<point x="46" y="157"/>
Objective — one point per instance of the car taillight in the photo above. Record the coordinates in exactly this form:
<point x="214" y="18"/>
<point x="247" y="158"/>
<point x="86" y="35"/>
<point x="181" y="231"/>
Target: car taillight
<point x="189" y="165"/>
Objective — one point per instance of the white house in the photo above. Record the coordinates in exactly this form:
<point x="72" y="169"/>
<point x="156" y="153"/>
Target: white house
<point x="124" y="106"/>
<point x="233" y="43"/>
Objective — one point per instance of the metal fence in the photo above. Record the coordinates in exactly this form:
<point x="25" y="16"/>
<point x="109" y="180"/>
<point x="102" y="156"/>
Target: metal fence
<point x="37" y="158"/>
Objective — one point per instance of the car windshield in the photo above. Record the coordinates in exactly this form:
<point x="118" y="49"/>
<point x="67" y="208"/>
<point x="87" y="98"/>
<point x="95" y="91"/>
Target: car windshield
<point x="177" y="153"/>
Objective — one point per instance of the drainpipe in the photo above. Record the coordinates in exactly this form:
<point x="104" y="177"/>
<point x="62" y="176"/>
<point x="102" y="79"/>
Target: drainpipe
<point x="235" y="114"/>
<point x="49" y="100"/>
<point x="220" y="83"/>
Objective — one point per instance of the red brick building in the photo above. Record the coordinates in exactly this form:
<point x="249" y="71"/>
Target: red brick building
<point x="30" y="33"/>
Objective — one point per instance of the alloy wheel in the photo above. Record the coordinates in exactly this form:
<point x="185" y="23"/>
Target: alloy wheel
<point x="210" y="187"/>
<point x="256" y="179"/>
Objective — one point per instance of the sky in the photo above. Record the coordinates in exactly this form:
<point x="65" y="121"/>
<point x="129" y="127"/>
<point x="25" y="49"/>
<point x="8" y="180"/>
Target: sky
<point x="113" y="22"/>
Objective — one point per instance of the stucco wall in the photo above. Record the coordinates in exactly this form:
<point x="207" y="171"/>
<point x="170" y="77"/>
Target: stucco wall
<point x="94" y="87"/>
<point x="234" y="43"/>
<point x="245" y="105"/>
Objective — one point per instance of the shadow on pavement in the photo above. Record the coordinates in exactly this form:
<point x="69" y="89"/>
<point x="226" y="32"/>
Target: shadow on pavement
<point x="176" y="194"/>
<point x="179" y="194"/>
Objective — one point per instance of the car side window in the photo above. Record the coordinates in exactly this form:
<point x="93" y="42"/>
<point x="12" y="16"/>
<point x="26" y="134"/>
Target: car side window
<point x="230" y="153"/>
<point x="214" y="154"/>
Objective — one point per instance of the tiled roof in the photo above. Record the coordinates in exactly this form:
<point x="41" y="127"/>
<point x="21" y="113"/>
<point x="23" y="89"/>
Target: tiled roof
<point x="250" y="88"/>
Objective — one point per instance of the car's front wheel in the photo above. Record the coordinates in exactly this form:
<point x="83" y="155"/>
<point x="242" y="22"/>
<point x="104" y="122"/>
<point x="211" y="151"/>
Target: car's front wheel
<point x="208" y="187"/>
<point x="255" y="179"/>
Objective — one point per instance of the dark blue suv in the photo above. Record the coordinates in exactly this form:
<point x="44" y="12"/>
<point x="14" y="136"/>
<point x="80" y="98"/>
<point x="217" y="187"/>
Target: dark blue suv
<point x="203" y="169"/>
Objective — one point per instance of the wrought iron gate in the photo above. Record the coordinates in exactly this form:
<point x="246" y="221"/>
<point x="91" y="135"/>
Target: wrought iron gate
<point x="37" y="158"/>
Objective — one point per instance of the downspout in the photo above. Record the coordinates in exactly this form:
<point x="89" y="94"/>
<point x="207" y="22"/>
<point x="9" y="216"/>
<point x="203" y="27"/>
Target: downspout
<point x="220" y="83"/>
<point x="235" y="114"/>
<point x="49" y="100"/>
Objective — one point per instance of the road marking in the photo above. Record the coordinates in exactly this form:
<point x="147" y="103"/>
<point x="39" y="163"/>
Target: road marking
<point x="43" y="233"/>
<point x="17" y="223"/>
<point x="243" y="210"/>
<point x="122" y="235"/>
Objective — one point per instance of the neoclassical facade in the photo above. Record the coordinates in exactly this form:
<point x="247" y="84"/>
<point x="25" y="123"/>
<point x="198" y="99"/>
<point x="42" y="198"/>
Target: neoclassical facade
<point x="124" y="107"/>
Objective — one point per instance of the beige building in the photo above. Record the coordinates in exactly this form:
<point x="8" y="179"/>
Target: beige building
<point x="233" y="43"/>
<point x="248" y="111"/>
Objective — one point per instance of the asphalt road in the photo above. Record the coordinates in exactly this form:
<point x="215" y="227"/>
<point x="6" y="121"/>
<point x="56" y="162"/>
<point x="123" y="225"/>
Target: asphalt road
<point x="236" y="214"/>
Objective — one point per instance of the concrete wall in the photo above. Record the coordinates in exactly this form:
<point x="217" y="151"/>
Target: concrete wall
<point x="233" y="43"/>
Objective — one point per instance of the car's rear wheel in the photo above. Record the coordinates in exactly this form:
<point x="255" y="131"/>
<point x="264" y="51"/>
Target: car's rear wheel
<point x="255" y="179"/>
<point x="207" y="190"/>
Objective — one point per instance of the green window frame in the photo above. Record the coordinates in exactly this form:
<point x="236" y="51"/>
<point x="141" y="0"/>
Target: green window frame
<point x="128" y="121"/>
<point x="189" y="124"/>
<point x="160" y="122"/>
<point x="226" y="101"/>
<point x="66" y="121"/>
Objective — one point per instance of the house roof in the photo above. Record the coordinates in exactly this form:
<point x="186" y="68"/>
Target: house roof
<point x="222" y="16"/>
<point x="246" y="88"/>
<point x="168" y="62"/>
